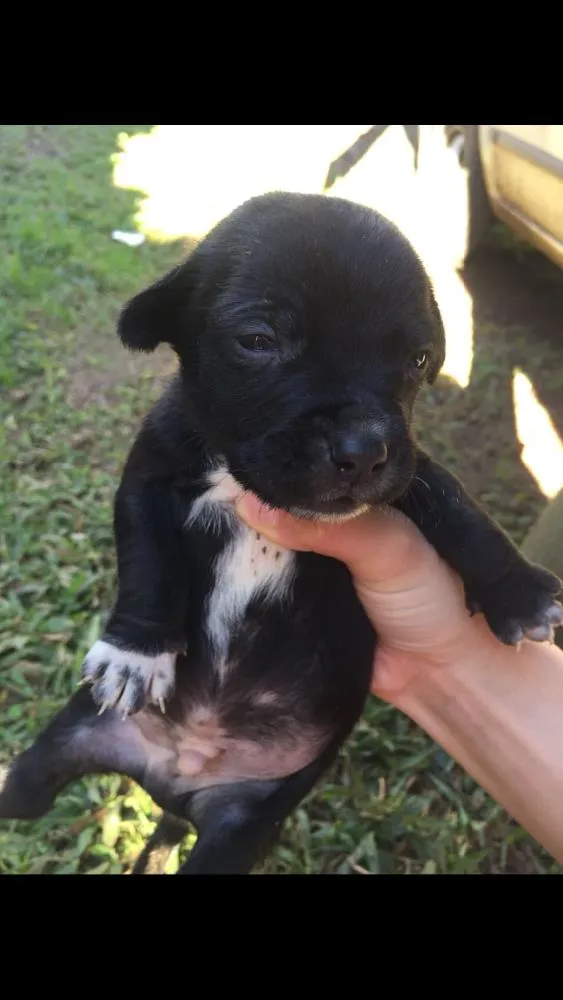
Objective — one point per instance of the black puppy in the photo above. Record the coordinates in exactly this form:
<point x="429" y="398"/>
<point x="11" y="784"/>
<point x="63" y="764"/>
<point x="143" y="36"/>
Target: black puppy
<point x="231" y="671"/>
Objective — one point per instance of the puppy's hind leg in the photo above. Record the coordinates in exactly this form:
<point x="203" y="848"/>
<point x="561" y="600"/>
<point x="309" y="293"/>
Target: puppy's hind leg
<point x="239" y="824"/>
<point x="234" y="829"/>
<point x="169" y="833"/>
<point x="75" y="743"/>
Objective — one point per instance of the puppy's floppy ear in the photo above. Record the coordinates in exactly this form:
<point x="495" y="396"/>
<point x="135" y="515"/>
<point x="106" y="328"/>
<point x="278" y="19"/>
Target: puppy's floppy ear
<point x="439" y="340"/>
<point x="155" y="315"/>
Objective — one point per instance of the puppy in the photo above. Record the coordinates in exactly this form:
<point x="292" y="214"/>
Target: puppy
<point x="231" y="671"/>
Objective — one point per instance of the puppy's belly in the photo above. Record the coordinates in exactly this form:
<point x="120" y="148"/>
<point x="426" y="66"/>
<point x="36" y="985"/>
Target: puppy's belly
<point x="203" y="750"/>
<point x="203" y="747"/>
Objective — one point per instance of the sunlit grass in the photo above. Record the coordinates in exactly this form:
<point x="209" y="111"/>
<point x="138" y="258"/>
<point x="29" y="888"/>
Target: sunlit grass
<point x="542" y="447"/>
<point x="191" y="176"/>
<point x="194" y="175"/>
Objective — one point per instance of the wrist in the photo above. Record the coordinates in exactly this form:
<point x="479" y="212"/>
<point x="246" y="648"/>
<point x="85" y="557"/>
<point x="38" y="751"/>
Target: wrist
<point x="441" y="694"/>
<point x="497" y="711"/>
<point x="126" y="631"/>
<point x="413" y="682"/>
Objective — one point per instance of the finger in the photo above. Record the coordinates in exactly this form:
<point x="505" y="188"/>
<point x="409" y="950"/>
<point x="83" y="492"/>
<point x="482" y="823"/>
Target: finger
<point x="377" y="546"/>
<point x="279" y="526"/>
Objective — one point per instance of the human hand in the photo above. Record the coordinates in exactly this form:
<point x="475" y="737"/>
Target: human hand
<point x="414" y="601"/>
<point x="495" y="710"/>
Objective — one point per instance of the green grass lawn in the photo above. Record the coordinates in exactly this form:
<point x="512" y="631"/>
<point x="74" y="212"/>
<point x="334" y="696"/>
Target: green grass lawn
<point x="70" y="402"/>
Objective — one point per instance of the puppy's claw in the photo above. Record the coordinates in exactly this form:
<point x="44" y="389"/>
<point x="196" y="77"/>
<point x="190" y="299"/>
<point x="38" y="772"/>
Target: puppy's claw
<point x="518" y="636"/>
<point x="555" y="615"/>
<point x="127" y="680"/>
<point x="521" y="605"/>
<point x="543" y="633"/>
<point x="93" y="668"/>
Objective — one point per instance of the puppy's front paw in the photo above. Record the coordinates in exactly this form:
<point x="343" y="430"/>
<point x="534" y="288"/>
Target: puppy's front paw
<point x="126" y="680"/>
<point x="521" y="604"/>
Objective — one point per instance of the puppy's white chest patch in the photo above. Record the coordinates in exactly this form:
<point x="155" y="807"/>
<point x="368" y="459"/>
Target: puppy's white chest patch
<point x="249" y="566"/>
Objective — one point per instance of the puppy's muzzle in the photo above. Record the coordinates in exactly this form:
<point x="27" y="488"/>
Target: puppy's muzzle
<point x="358" y="453"/>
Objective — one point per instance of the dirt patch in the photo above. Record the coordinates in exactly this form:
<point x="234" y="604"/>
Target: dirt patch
<point x="41" y="141"/>
<point x="96" y="384"/>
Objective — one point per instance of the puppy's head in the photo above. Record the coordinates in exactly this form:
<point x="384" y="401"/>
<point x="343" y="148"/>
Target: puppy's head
<point x="305" y="327"/>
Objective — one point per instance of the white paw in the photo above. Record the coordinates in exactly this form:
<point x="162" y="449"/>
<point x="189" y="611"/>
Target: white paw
<point x="126" y="680"/>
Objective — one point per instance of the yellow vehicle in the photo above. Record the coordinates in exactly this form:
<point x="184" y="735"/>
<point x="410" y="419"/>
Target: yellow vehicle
<point x="514" y="173"/>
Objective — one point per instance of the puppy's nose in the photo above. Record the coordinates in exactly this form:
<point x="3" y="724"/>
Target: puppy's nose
<point x="358" y="454"/>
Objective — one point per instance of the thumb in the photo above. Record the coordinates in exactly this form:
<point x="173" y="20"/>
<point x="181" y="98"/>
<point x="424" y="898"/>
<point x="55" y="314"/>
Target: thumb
<point x="413" y="600"/>
<point x="380" y="547"/>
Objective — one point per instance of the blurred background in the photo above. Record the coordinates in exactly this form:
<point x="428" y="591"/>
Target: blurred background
<point x="92" y="213"/>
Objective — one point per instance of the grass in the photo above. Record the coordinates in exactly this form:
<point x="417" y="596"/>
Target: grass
<point x="395" y="803"/>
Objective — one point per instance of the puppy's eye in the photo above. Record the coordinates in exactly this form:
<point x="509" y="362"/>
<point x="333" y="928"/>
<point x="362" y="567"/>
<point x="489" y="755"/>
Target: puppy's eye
<point x="257" y="343"/>
<point x="421" y="361"/>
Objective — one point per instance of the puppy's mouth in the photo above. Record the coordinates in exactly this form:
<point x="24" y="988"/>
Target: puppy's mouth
<point x="327" y="505"/>
<point x="317" y="492"/>
<point x="342" y="509"/>
<point x="333" y="505"/>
